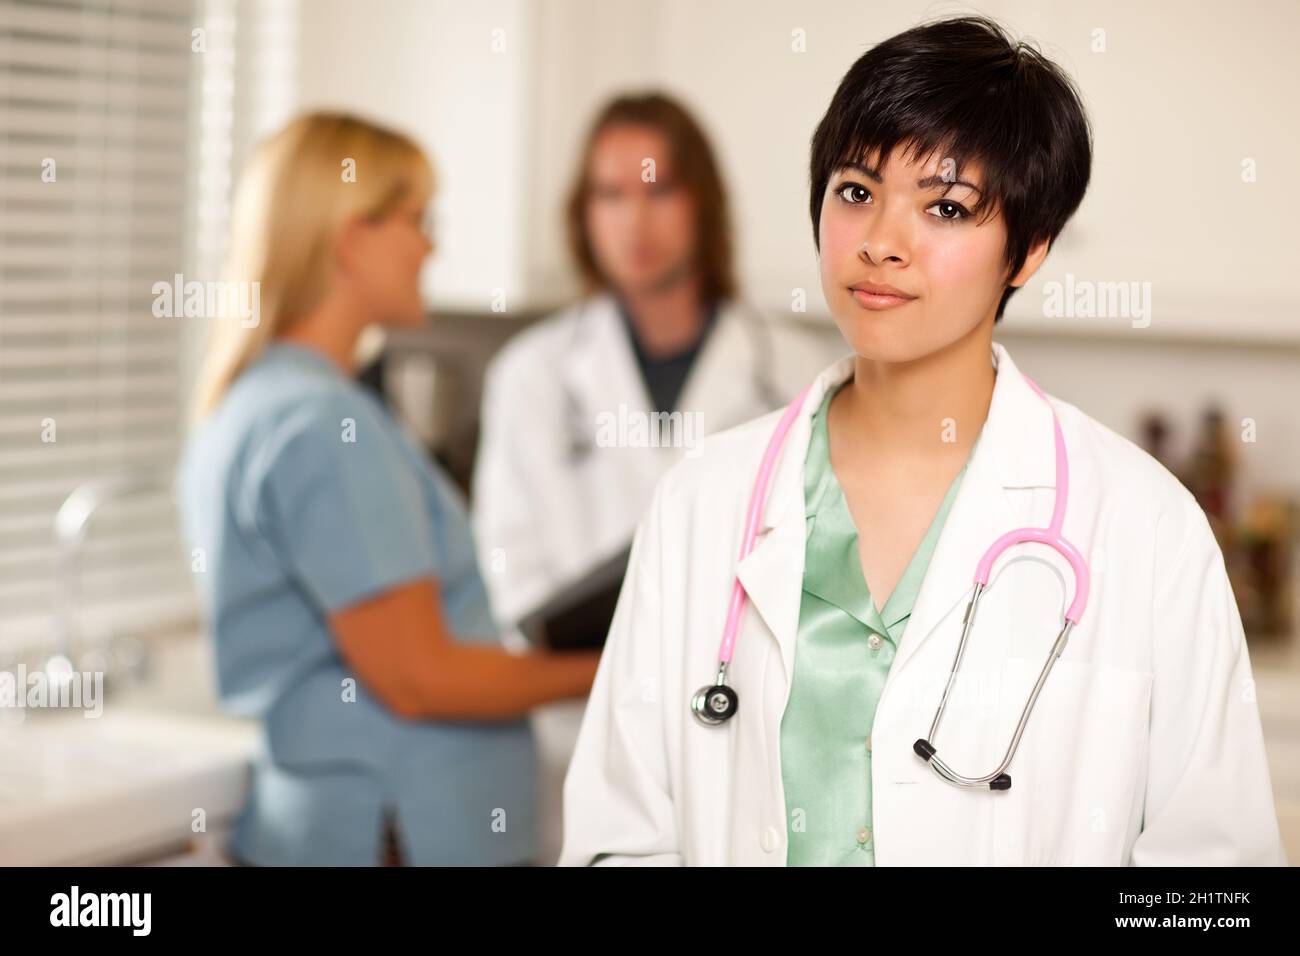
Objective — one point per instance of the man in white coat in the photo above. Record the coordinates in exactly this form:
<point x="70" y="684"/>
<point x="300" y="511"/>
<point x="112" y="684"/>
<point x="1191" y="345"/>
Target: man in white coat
<point x="947" y="162"/>
<point x="586" y="410"/>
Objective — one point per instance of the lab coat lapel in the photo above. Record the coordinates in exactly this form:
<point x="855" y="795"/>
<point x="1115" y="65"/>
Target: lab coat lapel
<point x="720" y="384"/>
<point x="601" y="370"/>
<point x="1014" y="451"/>
<point x="772" y="574"/>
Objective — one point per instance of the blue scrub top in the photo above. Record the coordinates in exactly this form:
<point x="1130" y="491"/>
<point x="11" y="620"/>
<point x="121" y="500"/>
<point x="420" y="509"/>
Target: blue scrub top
<point x="306" y="497"/>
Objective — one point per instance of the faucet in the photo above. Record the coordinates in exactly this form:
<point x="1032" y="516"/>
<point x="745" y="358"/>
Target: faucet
<point x="71" y="526"/>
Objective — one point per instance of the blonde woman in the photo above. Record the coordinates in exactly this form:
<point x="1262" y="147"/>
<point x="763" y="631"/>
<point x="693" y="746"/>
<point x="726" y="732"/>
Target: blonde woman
<point x="340" y="581"/>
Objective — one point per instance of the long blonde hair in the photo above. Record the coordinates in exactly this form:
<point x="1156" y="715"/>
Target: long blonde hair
<point x="299" y="187"/>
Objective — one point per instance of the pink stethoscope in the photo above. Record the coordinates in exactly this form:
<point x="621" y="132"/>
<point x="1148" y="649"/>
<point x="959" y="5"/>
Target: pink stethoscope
<point x="716" y="703"/>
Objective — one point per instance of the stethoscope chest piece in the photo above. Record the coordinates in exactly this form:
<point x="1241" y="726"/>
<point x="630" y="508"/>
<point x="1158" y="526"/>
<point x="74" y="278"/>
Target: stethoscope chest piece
<point x="714" y="704"/>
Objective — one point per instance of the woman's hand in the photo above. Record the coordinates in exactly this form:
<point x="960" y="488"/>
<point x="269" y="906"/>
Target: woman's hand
<point x="400" y="647"/>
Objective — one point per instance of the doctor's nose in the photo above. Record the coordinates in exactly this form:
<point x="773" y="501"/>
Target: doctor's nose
<point x="884" y="244"/>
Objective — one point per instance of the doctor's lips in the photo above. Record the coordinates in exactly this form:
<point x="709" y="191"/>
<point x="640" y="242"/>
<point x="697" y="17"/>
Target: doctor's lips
<point x="876" y="296"/>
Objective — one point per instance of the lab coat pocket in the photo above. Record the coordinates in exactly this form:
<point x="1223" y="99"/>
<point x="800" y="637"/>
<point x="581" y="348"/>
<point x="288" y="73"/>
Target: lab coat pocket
<point x="1076" y="774"/>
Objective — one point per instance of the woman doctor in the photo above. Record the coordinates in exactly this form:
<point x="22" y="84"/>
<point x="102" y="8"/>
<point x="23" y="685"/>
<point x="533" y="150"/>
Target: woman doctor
<point x="948" y="161"/>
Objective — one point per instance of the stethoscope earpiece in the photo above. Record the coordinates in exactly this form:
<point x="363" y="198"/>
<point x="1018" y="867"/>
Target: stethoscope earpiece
<point x="714" y="704"/>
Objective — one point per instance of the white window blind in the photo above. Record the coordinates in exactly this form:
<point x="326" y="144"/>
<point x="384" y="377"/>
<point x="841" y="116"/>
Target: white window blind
<point x="246" y="89"/>
<point x="118" y="144"/>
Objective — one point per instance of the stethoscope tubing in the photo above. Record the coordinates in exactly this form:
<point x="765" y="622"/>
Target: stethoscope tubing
<point x="753" y="516"/>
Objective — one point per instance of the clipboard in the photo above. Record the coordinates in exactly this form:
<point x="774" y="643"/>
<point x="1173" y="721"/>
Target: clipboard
<point x="578" y="617"/>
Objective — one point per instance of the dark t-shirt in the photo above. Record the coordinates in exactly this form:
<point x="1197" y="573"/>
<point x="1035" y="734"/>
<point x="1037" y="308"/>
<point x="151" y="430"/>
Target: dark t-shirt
<point x="665" y="375"/>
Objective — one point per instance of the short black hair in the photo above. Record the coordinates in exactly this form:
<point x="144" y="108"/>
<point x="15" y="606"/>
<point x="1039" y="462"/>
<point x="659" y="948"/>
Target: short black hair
<point x="963" y="89"/>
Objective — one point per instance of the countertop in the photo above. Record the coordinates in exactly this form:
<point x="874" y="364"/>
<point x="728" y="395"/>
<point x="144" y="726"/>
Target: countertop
<point x="133" y="784"/>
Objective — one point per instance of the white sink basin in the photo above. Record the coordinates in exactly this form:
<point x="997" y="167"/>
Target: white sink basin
<point x="111" y="789"/>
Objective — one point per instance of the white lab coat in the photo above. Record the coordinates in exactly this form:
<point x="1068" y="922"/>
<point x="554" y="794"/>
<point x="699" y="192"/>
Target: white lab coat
<point x="1144" y="747"/>
<point x="542" y="519"/>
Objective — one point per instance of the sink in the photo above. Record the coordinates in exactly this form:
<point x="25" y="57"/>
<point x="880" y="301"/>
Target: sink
<point x="78" y="791"/>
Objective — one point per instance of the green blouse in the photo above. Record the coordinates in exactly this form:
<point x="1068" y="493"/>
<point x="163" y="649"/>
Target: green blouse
<point x="842" y="657"/>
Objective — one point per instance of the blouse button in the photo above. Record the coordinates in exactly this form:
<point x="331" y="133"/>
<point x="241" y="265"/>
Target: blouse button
<point x="864" y="835"/>
<point x="874" y="642"/>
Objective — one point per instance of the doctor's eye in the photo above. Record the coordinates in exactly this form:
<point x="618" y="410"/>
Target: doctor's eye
<point x="853" y="194"/>
<point x="661" y="190"/>
<point x="957" y="210"/>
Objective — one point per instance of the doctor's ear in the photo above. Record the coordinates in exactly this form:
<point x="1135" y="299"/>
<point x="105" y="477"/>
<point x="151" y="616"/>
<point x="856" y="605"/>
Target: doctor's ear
<point x="1037" y="253"/>
<point x="350" y="243"/>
